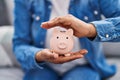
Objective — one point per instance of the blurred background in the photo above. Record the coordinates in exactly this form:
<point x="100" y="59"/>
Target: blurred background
<point x="10" y="68"/>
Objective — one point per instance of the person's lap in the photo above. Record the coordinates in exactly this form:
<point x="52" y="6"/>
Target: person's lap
<point x="77" y="73"/>
<point x="82" y="73"/>
<point x="41" y="74"/>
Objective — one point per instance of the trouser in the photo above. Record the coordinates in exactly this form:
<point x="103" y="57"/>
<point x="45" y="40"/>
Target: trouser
<point x="77" y="73"/>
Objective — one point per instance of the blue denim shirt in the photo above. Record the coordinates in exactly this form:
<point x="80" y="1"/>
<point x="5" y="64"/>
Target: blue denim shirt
<point x="29" y="37"/>
<point x="109" y="33"/>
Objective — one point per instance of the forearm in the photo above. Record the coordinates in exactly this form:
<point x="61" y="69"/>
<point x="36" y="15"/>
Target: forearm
<point x="92" y="31"/>
<point x="26" y="55"/>
<point x="108" y="29"/>
<point x="23" y="49"/>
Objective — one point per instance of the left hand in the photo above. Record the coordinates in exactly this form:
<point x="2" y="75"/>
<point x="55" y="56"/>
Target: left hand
<point x="76" y="55"/>
<point x="81" y="28"/>
<point x="50" y="56"/>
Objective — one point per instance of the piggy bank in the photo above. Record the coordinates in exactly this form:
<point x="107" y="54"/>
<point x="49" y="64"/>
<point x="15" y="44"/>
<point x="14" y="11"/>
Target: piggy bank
<point x="62" y="42"/>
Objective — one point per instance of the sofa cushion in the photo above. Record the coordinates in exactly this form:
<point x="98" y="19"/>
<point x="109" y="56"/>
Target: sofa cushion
<point x="11" y="74"/>
<point x="112" y="49"/>
<point x="115" y="61"/>
<point x="6" y="55"/>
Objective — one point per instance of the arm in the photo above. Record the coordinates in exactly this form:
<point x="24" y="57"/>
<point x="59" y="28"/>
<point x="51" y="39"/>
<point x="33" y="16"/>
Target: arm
<point x="109" y="29"/>
<point x="104" y="30"/>
<point x="23" y="50"/>
<point x="28" y="55"/>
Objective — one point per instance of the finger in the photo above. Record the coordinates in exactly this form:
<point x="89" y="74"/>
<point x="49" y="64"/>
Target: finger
<point x="54" y="22"/>
<point x="82" y="52"/>
<point x="76" y="55"/>
<point x="44" y="25"/>
<point x="48" y="54"/>
<point x="50" y="24"/>
<point x="67" y="59"/>
<point x="55" y="55"/>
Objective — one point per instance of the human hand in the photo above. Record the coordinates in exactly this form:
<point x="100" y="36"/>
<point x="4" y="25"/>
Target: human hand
<point x="81" y="28"/>
<point x="50" y="56"/>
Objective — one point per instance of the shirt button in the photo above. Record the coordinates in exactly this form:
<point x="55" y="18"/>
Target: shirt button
<point x="107" y="35"/>
<point x="37" y="18"/>
<point x="85" y="18"/>
<point x="96" y="12"/>
<point x="41" y="43"/>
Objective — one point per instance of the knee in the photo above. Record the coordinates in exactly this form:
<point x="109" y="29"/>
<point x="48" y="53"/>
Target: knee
<point x="82" y="73"/>
<point x="69" y="78"/>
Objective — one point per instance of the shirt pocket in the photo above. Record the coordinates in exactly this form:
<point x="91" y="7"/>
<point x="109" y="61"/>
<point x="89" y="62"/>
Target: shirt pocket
<point x="36" y="29"/>
<point x="95" y="9"/>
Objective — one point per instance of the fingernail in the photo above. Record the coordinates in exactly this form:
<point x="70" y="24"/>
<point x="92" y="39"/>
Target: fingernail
<point x="81" y="56"/>
<point x="41" y="25"/>
<point x="86" y="51"/>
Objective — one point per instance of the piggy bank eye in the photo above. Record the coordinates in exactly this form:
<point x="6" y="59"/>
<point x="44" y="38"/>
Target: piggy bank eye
<point x="66" y="37"/>
<point x="57" y="37"/>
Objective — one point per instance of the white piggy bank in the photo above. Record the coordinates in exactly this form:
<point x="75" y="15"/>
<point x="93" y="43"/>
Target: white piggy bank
<point x="62" y="42"/>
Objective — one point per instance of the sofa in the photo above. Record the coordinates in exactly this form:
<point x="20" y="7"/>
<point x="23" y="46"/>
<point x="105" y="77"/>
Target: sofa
<point x="10" y="69"/>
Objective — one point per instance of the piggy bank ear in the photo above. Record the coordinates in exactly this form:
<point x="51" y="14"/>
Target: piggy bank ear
<point x="69" y="32"/>
<point x="55" y="31"/>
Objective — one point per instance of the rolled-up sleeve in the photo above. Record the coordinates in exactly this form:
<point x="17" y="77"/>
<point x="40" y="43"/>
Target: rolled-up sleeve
<point x="108" y="29"/>
<point x="22" y="40"/>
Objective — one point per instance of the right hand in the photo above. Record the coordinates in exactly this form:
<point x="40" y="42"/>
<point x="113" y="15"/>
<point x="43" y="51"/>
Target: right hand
<point x="81" y="28"/>
<point x="50" y="56"/>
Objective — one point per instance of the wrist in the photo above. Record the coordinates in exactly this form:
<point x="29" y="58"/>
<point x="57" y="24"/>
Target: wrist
<point x="92" y="31"/>
<point x="38" y="57"/>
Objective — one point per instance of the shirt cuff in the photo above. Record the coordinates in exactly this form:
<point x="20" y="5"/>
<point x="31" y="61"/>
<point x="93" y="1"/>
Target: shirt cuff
<point x="105" y="31"/>
<point x="38" y="65"/>
<point x="32" y="60"/>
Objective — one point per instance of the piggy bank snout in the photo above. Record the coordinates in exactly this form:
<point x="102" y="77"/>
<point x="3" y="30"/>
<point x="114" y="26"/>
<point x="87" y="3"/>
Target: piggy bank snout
<point x="62" y="45"/>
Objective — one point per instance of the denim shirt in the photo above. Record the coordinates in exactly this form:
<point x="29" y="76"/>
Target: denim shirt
<point x="109" y="33"/>
<point x="29" y="37"/>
